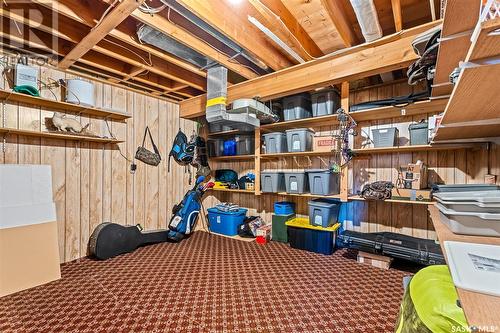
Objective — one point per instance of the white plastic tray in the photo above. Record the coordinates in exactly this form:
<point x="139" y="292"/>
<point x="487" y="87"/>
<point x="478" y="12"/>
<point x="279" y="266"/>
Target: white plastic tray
<point x="474" y="267"/>
<point x="470" y="223"/>
<point x="492" y="197"/>
<point x="470" y="206"/>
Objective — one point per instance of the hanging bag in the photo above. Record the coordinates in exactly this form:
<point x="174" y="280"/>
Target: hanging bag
<point x="146" y="156"/>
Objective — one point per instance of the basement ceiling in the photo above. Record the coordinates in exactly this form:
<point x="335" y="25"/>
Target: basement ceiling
<point x="98" y="37"/>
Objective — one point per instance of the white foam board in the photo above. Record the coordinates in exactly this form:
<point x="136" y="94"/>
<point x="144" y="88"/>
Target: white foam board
<point x="474" y="267"/>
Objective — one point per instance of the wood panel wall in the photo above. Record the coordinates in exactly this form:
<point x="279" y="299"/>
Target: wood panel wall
<point x="448" y="167"/>
<point x="92" y="182"/>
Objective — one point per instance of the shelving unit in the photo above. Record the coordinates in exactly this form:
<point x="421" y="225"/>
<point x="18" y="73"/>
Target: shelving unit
<point x="10" y="96"/>
<point x="232" y="158"/>
<point x="415" y="148"/>
<point x="307" y="122"/>
<point x="232" y="190"/>
<point x="298" y="154"/>
<point x="223" y="133"/>
<point x="55" y="135"/>
<point x="385" y="112"/>
<point x="428" y="203"/>
<point x="308" y="195"/>
<point x="476" y="91"/>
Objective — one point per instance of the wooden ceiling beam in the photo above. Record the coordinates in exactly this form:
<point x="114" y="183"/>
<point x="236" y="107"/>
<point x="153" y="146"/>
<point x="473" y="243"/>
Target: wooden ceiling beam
<point x="286" y="27"/>
<point x="110" y="21"/>
<point x="222" y="17"/>
<point x="341" y="22"/>
<point x="126" y="54"/>
<point x="386" y="54"/>
<point x="396" y="12"/>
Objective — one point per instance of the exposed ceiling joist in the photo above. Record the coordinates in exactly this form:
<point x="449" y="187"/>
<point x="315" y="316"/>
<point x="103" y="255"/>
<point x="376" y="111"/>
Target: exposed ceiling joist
<point x="341" y="22"/>
<point x="110" y="21"/>
<point x="286" y="27"/>
<point x="238" y="28"/>
<point x="386" y="54"/>
<point x="396" y="12"/>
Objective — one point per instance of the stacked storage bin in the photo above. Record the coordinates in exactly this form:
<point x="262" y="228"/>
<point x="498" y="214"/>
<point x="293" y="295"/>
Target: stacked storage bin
<point x="471" y="213"/>
<point x="302" y="235"/>
<point x="325" y="102"/>
<point x="299" y="139"/>
<point x="272" y="181"/>
<point x="296" y="182"/>
<point x="283" y="211"/>
<point x="275" y="143"/>
<point x="323" y="182"/>
<point x="245" y="144"/>
<point x="297" y="107"/>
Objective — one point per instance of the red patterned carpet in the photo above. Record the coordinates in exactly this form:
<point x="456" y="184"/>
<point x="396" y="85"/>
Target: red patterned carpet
<point x="209" y="283"/>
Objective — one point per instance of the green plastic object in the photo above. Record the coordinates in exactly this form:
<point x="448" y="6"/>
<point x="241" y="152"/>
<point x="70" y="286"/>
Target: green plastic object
<point x="279" y="227"/>
<point x="430" y="304"/>
<point x="27" y="90"/>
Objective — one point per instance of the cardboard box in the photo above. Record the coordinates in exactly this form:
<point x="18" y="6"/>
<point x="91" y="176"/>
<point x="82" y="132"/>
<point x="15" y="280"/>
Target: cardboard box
<point x="411" y="195"/>
<point x="323" y="143"/>
<point x="29" y="250"/>
<point x="374" y="260"/>
<point x="414" y="176"/>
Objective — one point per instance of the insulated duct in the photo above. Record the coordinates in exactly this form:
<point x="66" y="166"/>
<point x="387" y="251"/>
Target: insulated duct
<point x="366" y="13"/>
<point x="183" y="18"/>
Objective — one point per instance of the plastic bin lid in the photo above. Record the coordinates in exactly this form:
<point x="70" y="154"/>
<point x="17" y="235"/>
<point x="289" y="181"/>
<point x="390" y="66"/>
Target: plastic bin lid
<point x="273" y="134"/>
<point x="303" y="222"/>
<point x="285" y="203"/>
<point x="472" y="266"/>
<point x="478" y="196"/>
<point x="420" y="125"/>
<point x="303" y="95"/>
<point x="300" y="130"/>
<point x="296" y="171"/>
<point x="271" y="171"/>
<point x="324" y="203"/>
<point x="241" y="211"/>
<point x="325" y="90"/>
<point x="319" y="170"/>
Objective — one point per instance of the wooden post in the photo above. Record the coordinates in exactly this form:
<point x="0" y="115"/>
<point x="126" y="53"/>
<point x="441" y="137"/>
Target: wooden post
<point x="344" y="181"/>
<point x="257" y="161"/>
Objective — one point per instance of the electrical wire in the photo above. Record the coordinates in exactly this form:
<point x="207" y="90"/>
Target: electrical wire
<point x="150" y="10"/>
<point x="149" y="63"/>
<point x="113" y="136"/>
<point x="104" y="14"/>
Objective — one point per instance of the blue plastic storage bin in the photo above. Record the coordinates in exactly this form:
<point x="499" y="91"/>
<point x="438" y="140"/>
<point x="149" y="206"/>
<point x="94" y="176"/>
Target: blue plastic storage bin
<point x="284" y="208"/>
<point x="225" y="223"/>
<point x="230" y="147"/>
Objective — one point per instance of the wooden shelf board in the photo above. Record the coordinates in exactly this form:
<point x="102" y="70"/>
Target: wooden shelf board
<point x="60" y="106"/>
<point x="428" y="203"/>
<point x="231" y="158"/>
<point x="307" y="122"/>
<point x="301" y="154"/>
<point x="404" y="149"/>
<point x="232" y="190"/>
<point x="479" y="308"/>
<point x="54" y="135"/>
<point x="306" y="195"/>
<point x="386" y="112"/>
<point x="224" y="133"/>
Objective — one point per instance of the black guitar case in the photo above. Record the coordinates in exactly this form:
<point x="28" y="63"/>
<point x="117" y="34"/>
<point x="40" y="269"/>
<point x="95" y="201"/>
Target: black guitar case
<point x="110" y="239"/>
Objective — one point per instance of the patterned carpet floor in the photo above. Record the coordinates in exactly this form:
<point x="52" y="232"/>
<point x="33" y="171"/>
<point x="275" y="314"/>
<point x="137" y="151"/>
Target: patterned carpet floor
<point x="209" y="283"/>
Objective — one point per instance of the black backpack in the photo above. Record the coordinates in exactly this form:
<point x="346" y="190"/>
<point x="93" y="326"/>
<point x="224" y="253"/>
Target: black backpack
<point x="182" y="150"/>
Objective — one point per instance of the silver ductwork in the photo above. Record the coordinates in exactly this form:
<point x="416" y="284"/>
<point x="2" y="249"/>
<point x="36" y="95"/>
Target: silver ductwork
<point x="366" y="13"/>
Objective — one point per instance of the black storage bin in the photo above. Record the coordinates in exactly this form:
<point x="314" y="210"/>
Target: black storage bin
<point x="325" y="102"/>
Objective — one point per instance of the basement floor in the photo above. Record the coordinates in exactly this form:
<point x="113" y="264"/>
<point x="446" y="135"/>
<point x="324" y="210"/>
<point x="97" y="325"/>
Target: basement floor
<point x="209" y="283"/>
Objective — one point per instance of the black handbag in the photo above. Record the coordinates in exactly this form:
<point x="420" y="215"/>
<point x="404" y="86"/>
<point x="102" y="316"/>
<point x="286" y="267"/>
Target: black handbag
<point x="146" y="156"/>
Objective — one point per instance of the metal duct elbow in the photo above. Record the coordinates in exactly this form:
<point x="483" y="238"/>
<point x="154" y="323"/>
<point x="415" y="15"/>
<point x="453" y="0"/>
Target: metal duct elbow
<point x="366" y="13"/>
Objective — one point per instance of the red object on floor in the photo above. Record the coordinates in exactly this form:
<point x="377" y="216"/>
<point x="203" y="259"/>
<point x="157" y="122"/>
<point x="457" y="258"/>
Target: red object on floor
<point x="261" y="239"/>
<point x="210" y="283"/>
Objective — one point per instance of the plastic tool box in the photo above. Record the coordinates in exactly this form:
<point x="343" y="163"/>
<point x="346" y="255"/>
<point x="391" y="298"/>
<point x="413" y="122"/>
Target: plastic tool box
<point x="279" y="229"/>
<point x="324" y="212"/>
<point x="225" y="223"/>
<point x="275" y="143"/>
<point x="325" y="102"/>
<point x="297" y="107"/>
<point x="323" y="182"/>
<point x="419" y="133"/>
<point x="299" y="139"/>
<point x="470" y="223"/>
<point x="385" y="137"/>
<point x="421" y="251"/>
<point x="272" y="181"/>
<point x="296" y="182"/>
<point x="284" y="208"/>
<point x="245" y="144"/>
<point x="303" y="236"/>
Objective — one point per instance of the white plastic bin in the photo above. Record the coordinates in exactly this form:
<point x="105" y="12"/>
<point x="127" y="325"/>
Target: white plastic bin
<point x="470" y="223"/>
